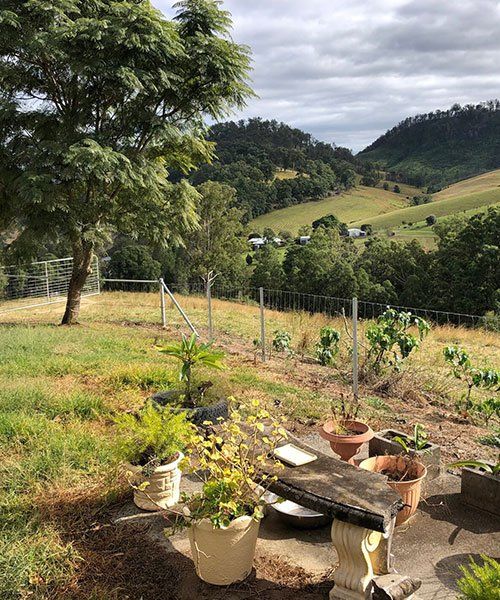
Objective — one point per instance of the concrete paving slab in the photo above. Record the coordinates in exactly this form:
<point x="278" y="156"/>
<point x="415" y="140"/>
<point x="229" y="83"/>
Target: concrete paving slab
<point x="439" y="538"/>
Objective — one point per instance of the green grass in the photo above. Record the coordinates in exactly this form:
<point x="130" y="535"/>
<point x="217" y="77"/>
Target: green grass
<point x="60" y="388"/>
<point x="385" y="210"/>
<point x="439" y="208"/>
<point x="286" y="174"/>
<point x="360" y="203"/>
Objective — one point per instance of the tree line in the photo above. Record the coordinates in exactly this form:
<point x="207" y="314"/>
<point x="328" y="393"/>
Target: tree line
<point x="250" y="155"/>
<point x="461" y="275"/>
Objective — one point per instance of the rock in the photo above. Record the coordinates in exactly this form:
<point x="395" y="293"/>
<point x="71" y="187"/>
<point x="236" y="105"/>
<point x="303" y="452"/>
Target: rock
<point x="394" y="587"/>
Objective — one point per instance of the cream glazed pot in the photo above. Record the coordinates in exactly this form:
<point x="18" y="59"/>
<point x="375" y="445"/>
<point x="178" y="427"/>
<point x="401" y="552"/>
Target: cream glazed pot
<point x="163" y="490"/>
<point x="224" y="556"/>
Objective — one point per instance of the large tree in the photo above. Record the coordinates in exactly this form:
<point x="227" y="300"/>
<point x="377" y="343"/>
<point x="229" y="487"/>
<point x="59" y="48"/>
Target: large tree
<point x="98" y="100"/>
<point x="218" y="244"/>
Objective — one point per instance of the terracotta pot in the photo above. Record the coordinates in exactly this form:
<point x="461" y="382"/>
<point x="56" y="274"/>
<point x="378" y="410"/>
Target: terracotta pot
<point x="224" y="556"/>
<point x="163" y="490"/>
<point x="346" y="446"/>
<point x="408" y="490"/>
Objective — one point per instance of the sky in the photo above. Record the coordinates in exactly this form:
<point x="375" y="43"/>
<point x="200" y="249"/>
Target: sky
<point x="348" y="70"/>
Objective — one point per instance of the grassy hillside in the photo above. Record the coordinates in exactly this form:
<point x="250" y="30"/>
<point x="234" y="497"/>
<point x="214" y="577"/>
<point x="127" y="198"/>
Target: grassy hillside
<point x="470" y="195"/>
<point x="362" y="203"/>
<point x="387" y="210"/>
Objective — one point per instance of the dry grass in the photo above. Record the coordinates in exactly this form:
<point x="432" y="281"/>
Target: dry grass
<point x="61" y="386"/>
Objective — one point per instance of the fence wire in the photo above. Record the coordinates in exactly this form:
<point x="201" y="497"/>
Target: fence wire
<point x="40" y="283"/>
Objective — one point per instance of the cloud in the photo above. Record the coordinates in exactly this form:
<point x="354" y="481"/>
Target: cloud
<point x="347" y="71"/>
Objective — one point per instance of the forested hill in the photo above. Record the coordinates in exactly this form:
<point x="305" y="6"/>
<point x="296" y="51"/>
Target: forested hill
<point x="441" y="147"/>
<point x="272" y="165"/>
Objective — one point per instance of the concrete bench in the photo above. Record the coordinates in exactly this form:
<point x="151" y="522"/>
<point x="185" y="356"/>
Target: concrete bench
<point x="363" y="508"/>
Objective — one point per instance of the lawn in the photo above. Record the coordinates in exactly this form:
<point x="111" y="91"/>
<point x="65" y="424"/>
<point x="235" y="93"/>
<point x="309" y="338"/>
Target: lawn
<point x="60" y="388"/>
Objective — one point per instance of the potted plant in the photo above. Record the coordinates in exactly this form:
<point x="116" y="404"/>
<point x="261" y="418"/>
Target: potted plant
<point x="391" y="441"/>
<point x="192" y="354"/>
<point x="152" y="443"/>
<point x="480" y="484"/>
<point x="236" y="466"/>
<point x="405" y="474"/>
<point x="344" y="431"/>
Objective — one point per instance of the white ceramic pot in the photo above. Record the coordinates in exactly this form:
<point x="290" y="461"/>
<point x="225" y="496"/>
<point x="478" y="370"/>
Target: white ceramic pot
<point x="224" y="556"/>
<point x="163" y="490"/>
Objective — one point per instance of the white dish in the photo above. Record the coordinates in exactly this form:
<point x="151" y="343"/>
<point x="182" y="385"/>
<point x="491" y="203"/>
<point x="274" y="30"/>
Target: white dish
<point x="293" y="455"/>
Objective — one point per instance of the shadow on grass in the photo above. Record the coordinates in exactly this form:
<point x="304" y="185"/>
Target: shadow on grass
<point x="125" y="561"/>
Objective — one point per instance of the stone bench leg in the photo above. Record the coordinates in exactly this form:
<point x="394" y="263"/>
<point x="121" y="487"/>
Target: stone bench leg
<point x="356" y="548"/>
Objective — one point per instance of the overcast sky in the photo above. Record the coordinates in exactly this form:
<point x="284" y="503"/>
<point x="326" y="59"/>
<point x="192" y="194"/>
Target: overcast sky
<point x="347" y="70"/>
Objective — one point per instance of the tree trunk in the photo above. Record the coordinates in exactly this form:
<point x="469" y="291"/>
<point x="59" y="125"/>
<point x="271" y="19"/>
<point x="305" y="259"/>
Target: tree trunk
<point x="82" y="257"/>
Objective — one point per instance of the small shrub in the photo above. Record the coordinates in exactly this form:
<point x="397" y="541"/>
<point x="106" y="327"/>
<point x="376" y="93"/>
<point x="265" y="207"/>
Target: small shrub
<point x="490" y="439"/>
<point x="473" y="378"/>
<point x="281" y="342"/>
<point x="418" y="441"/>
<point x="480" y="582"/>
<point x="191" y="354"/>
<point x="390" y="340"/>
<point x="230" y="461"/>
<point x="328" y="346"/>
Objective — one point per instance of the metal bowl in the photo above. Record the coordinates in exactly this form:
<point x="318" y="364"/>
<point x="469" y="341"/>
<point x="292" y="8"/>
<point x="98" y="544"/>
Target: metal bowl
<point x="296" y="515"/>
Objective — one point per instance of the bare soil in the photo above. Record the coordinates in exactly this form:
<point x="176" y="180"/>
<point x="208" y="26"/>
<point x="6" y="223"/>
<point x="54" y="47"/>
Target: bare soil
<point x="407" y="401"/>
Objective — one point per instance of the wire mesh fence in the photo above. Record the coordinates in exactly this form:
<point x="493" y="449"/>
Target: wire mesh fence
<point x="292" y="301"/>
<point x="40" y="283"/>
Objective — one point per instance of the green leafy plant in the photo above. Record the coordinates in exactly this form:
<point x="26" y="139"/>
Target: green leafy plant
<point x="391" y="341"/>
<point x="418" y="441"/>
<point x="192" y="354"/>
<point x="281" y="342"/>
<point x="477" y="464"/>
<point x="473" y="378"/>
<point x="491" y="439"/>
<point x="480" y="582"/>
<point x="152" y="438"/>
<point x="328" y="346"/>
<point x="236" y="466"/>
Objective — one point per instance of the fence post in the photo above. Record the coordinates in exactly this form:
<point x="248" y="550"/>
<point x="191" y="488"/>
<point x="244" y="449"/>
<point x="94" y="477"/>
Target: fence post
<point x="262" y="324"/>
<point x="162" y="304"/>
<point x="47" y="284"/>
<point x="98" y="274"/>
<point x="355" y="347"/>
<point x="209" y="307"/>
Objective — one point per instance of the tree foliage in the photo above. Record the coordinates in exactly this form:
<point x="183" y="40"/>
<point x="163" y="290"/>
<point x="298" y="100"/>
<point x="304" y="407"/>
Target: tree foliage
<point x="440" y="147"/>
<point x="251" y="154"/>
<point x="218" y="243"/>
<point x="98" y="100"/>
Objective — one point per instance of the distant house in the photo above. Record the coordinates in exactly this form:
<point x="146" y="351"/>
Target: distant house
<point x="304" y="239"/>
<point x="356" y="233"/>
<point x="278" y="241"/>
<point x="257" y="242"/>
